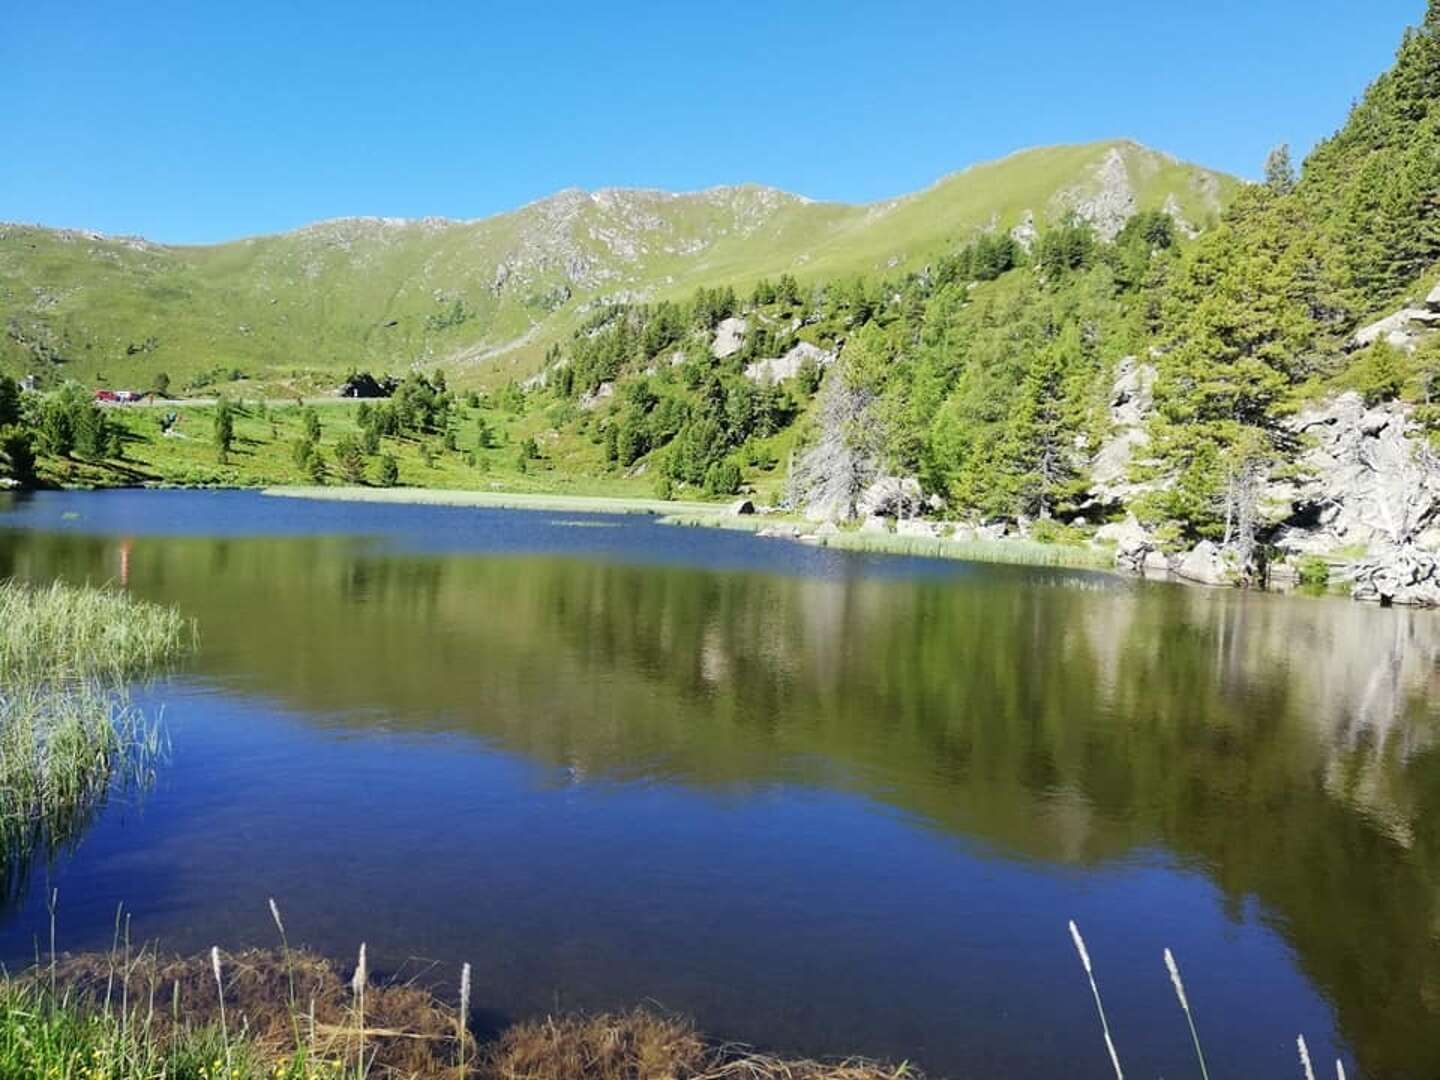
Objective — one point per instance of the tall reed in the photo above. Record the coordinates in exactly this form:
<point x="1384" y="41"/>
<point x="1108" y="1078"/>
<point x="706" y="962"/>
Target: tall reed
<point x="1179" y="985"/>
<point x="357" y="985"/>
<point x="220" y="989"/>
<point x="1095" y="990"/>
<point x="462" y="1019"/>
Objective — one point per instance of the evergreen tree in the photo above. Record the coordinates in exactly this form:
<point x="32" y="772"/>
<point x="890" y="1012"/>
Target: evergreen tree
<point x="1279" y="172"/>
<point x="224" y="430"/>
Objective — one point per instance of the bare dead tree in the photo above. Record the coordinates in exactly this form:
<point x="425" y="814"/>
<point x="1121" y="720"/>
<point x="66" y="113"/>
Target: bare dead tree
<point x="835" y="472"/>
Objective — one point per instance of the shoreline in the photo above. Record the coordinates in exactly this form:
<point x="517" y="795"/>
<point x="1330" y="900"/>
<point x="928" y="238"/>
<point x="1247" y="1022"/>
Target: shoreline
<point x="700" y="515"/>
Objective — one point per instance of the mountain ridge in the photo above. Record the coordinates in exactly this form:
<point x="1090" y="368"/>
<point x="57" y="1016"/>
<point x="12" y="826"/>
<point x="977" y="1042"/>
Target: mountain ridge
<point x="392" y="293"/>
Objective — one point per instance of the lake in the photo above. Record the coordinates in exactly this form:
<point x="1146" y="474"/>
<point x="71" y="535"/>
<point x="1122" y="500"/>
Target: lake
<point x="825" y="802"/>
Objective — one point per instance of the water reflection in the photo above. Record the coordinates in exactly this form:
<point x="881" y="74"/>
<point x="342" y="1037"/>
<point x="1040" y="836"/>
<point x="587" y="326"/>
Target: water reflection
<point x="1285" y="748"/>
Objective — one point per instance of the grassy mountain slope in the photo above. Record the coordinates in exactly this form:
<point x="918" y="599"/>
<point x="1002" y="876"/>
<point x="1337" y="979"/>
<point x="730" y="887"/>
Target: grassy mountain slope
<point x="485" y="297"/>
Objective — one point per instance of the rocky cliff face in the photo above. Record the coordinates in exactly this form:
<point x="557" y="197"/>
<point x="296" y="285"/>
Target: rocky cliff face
<point x="1366" y="481"/>
<point x="1365" y="486"/>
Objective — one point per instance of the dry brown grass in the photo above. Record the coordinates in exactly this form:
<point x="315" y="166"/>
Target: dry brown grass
<point x="643" y="1045"/>
<point x="409" y="1032"/>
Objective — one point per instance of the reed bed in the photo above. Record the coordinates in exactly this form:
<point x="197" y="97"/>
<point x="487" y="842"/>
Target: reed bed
<point x="59" y="632"/>
<point x="69" y="735"/>
<point x="62" y="754"/>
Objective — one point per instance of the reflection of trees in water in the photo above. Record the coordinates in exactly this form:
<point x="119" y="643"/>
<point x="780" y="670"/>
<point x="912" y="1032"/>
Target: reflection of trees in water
<point x="1286" y="747"/>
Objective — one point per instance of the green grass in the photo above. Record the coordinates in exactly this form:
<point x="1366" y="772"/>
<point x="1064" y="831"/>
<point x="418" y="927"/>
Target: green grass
<point x="43" y="1036"/>
<point x="292" y="312"/>
<point x="265" y="435"/>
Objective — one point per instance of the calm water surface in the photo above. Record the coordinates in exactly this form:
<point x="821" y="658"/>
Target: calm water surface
<point x="825" y="802"/>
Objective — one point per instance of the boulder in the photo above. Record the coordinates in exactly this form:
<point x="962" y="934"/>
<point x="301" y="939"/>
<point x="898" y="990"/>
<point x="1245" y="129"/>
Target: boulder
<point x="1155" y="564"/>
<point x="779" y="532"/>
<point x="1404" y="329"/>
<point x="1124" y="534"/>
<point x="892" y="496"/>
<point x="1433" y="300"/>
<point x="1132" y="543"/>
<point x="1205" y="564"/>
<point x="729" y="338"/>
<point x="742" y="508"/>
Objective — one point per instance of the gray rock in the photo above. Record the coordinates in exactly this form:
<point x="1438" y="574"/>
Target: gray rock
<point x="779" y="532"/>
<point x="1366" y="480"/>
<point x="1433" y="300"/>
<point x="892" y="496"/>
<point x="1132" y="399"/>
<point x="1155" y="564"/>
<point x="1404" y="575"/>
<point x="1405" y="329"/>
<point x="1205" y="564"/>
<point x="729" y="338"/>
<point x="742" y="508"/>
<point x="601" y="394"/>
<point x="1129" y="534"/>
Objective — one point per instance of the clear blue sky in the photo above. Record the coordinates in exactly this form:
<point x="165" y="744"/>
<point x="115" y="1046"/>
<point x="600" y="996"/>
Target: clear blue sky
<point x="205" y="121"/>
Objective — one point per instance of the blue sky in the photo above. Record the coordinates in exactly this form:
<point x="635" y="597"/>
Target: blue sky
<point x="192" y="122"/>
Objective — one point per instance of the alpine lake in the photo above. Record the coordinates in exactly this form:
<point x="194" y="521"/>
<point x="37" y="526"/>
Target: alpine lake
<point x="824" y="802"/>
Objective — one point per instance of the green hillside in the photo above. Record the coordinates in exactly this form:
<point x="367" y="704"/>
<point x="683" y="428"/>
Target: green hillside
<point x="292" y="312"/>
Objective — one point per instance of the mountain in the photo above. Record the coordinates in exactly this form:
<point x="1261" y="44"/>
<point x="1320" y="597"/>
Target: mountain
<point x="486" y="297"/>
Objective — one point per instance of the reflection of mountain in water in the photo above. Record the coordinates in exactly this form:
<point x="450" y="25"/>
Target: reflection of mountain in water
<point x="1284" y="747"/>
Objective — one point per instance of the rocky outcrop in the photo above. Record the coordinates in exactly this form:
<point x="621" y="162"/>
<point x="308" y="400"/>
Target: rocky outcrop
<point x="1404" y="575"/>
<point x="1406" y="328"/>
<point x="1107" y="202"/>
<point x="1132" y="396"/>
<point x="779" y="368"/>
<point x="593" y="399"/>
<point x="1025" y="233"/>
<point x="729" y="338"/>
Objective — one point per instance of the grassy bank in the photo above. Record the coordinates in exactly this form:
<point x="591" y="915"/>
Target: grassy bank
<point x="498" y="500"/>
<point x="291" y="1015"/>
<point x="1018" y="552"/>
